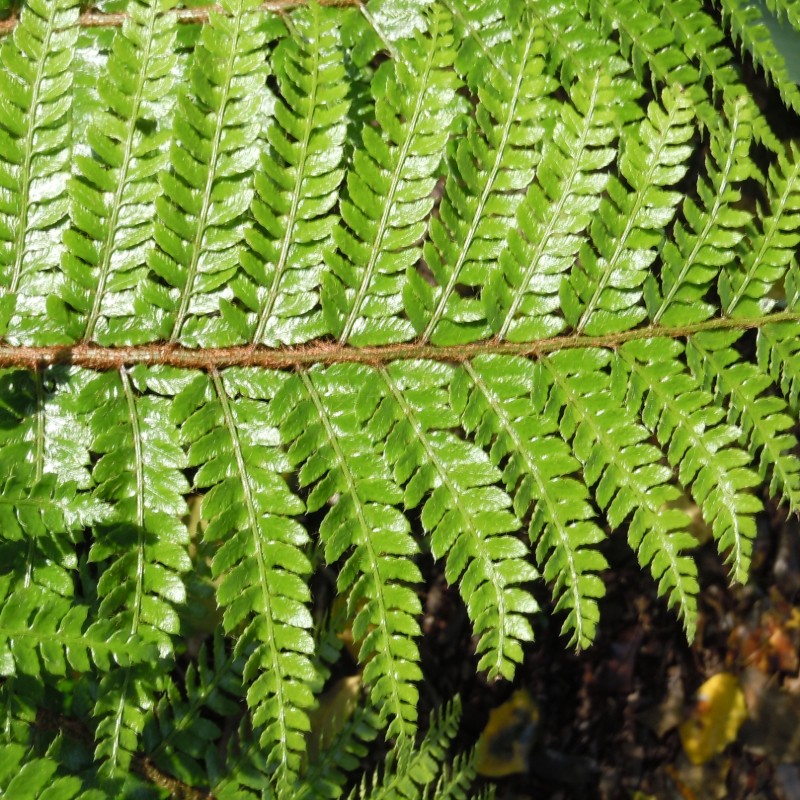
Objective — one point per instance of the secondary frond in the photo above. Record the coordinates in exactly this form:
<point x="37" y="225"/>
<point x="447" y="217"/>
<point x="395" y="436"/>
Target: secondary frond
<point x="628" y="479"/>
<point x="388" y="200"/>
<point x="520" y="299"/>
<point x="746" y="23"/>
<point x="711" y="228"/>
<point x="770" y="245"/>
<point x="703" y="42"/>
<point x="260" y="565"/>
<point x="494" y="400"/>
<point x="296" y="187"/>
<point x="488" y="169"/>
<point x="316" y="412"/>
<point x="208" y="189"/>
<point x="112" y="196"/>
<point x="699" y="444"/>
<point x="604" y="290"/>
<point x="140" y="546"/>
<point x="35" y="150"/>
<point x="181" y="734"/>
<point x="764" y="419"/>
<point x="467" y="516"/>
<point x="410" y="770"/>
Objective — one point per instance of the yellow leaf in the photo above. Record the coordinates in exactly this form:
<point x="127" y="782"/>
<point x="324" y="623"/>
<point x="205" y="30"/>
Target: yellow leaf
<point x="715" y="719"/>
<point x="504" y="744"/>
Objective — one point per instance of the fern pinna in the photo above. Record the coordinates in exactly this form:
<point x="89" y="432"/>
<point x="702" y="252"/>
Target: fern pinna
<point x="299" y="298"/>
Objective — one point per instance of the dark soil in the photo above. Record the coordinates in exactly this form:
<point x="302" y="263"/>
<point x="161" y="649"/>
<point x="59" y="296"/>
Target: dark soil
<point x="609" y="716"/>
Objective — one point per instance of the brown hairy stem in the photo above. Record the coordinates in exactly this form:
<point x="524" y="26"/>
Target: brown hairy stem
<point x="188" y="16"/>
<point x="328" y="352"/>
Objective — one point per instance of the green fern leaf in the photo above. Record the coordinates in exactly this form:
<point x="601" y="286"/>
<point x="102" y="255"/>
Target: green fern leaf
<point x="493" y="396"/>
<point x="142" y="544"/>
<point x="603" y="292"/>
<point x="762" y="417"/>
<point x="208" y="190"/>
<point x="698" y="443"/>
<point x="702" y="41"/>
<point x="745" y="283"/>
<point x="260" y="565"/>
<point x="389" y="192"/>
<point x="521" y="298"/>
<point x="316" y="414"/>
<point x="112" y="196"/>
<point x="291" y="303"/>
<point x="296" y="187"/>
<point x="625" y="471"/>
<point x="181" y="734"/>
<point x="467" y="517"/>
<point x="710" y="231"/>
<point x="490" y="165"/>
<point x="748" y="29"/>
<point x="35" y="100"/>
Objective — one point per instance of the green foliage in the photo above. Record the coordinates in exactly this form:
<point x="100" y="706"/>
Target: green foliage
<point x="35" y="140"/>
<point x="299" y="308"/>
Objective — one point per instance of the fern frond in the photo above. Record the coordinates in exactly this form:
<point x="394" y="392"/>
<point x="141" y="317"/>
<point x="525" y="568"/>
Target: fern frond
<point x="325" y="777"/>
<point x="778" y="349"/>
<point x="35" y="101"/>
<point x="702" y="41"/>
<point x="143" y="541"/>
<point x="260" y="564"/>
<point x="489" y="168"/>
<point x="316" y="411"/>
<point x="788" y="8"/>
<point x="493" y="398"/>
<point x="770" y="246"/>
<point x="707" y="236"/>
<point x="296" y="187"/>
<point x="645" y="42"/>
<point x="481" y="28"/>
<point x="411" y="769"/>
<point x="763" y="418"/>
<point x="182" y="732"/>
<point x="520" y="300"/>
<point x="142" y="544"/>
<point x="24" y="776"/>
<point x="352" y="286"/>
<point x="389" y="191"/>
<point x="457" y="780"/>
<point x="698" y="443"/>
<point x="603" y="292"/>
<point x="466" y="515"/>
<point x="51" y="637"/>
<point x="626" y="472"/>
<point x="198" y="230"/>
<point x="112" y="196"/>
<point x="745" y="21"/>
